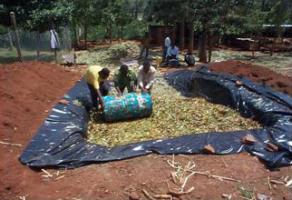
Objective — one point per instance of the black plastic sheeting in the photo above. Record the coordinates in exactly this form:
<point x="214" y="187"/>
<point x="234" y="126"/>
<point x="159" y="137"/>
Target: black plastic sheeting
<point x="60" y="141"/>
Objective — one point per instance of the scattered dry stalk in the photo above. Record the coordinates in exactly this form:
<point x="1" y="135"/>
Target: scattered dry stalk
<point x="149" y="196"/>
<point x="277" y="182"/>
<point x="162" y="196"/>
<point x="47" y="173"/>
<point x="174" y="193"/>
<point x="10" y="144"/>
<point x="269" y="183"/>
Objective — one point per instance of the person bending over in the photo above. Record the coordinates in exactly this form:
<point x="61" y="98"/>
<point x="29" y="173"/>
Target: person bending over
<point x="96" y="78"/>
<point x="125" y="78"/>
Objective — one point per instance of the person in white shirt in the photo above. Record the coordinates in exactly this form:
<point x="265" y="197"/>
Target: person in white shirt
<point x="55" y="42"/>
<point x="146" y="76"/>
<point x="167" y="43"/>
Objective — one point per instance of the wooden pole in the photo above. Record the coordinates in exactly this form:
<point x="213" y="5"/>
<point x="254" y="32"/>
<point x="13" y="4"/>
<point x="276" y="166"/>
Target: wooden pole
<point x="202" y="45"/>
<point x="56" y="56"/>
<point x="13" y="22"/>
<point x="85" y="35"/>
<point x="38" y="38"/>
<point x="210" y="45"/>
<point x="10" y="40"/>
<point x="191" y="37"/>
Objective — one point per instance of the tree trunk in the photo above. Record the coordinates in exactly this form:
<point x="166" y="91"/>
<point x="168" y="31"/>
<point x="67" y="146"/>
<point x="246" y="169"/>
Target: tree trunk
<point x="85" y="35"/>
<point x="75" y="42"/>
<point x="136" y="9"/>
<point x="202" y="46"/>
<point x="272" y="47"/>
<point x="38" y="37"/>
<point x="110" y="33"/>
<point x="181" y="35"/>
<point x="219" y="41"/>
<point x="191" y="37"/>
<point x="120" y="33"/>
<point x="76" y="33"/>
<point x="210" y="45"/>
<point x="10" y="40"/>
<point x="253" y="48"/>
<point x="278" y="35"/>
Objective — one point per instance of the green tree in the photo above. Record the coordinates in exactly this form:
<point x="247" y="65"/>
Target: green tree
<point x="83" y="15"/>
<point x="36" y="15"/>
<point x="115" y="14"/>
<point x="278" y="15"/>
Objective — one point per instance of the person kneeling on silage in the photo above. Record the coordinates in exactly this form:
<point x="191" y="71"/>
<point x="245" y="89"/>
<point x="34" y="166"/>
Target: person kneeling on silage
<point x="125" y="78"/>
<point x="146" y="77"/>
<point x="96" y="78"/>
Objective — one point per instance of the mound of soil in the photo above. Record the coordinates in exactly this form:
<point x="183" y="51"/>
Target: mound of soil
<point x="27" y="91"/>
<point x="255" y="73"/>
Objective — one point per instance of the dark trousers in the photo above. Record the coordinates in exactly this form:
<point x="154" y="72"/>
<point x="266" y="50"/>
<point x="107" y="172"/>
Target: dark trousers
<point x="104" y="90"/>
<point x="146" y="49"/>
<point x="164" y="52"/>
<point x="130" y="88"/>
<point x="171" y="57"/>
<point x="172" y="61"/>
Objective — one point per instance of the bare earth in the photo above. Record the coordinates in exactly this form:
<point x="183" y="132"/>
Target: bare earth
<point x="23" y="108"/>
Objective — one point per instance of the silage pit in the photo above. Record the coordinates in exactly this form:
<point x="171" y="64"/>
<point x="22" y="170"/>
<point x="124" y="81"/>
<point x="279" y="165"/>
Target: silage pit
<point x="61" y="141"/>
<point x="173" y="115"/>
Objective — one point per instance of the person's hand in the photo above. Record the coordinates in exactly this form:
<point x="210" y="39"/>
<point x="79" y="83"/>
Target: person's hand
<point x="135" y="89"/>
<point x="144" y="90"/>
<point x="101" y="107"/>
<point x="119" y="94"/>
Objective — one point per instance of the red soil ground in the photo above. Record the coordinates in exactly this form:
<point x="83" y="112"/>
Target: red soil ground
<point x="29" y="89"/>
<point x="255" y="73"/>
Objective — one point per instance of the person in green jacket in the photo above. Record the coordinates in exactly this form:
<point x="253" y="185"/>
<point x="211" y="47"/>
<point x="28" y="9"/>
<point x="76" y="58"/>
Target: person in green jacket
<point x="125" y="78"/>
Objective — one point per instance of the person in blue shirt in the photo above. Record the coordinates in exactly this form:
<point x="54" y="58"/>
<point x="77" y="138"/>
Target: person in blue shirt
<point x="172" y="55"/>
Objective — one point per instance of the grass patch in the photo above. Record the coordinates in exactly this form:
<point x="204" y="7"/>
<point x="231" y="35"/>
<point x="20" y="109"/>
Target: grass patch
<point x="9" y="56"/>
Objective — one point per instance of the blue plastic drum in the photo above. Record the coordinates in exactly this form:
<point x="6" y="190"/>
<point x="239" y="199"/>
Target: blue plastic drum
<point x="129" y="106"/>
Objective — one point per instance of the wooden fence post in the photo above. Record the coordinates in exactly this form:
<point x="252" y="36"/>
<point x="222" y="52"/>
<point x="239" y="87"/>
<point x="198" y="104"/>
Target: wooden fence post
<point x="38" y="39"/>
<point x="13" y="22"/>
<point x="10" y="40"/>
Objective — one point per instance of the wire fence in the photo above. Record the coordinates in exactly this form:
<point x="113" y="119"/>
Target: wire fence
<point x="34" y="45"/>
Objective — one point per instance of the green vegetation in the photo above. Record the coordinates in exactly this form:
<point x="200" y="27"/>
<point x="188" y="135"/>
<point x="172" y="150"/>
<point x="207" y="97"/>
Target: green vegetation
<point x="112" y="54"/>
<point x="128" y="19"/>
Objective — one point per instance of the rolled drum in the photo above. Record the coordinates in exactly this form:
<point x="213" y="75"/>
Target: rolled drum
<point x="129" y="106"/>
